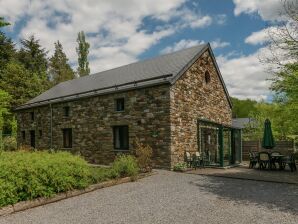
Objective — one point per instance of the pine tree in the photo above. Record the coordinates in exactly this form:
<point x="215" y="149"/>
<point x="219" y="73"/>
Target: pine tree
<point x="83" y="51"/>
<point x="33" y="56"/>
<point x="3" y="22"/>
<point x="59" y="68"/>
<point x="7" y="50"/>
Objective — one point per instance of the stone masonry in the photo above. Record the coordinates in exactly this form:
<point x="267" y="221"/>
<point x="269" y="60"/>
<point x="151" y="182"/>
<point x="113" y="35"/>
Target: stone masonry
<point x="163" y="116"/>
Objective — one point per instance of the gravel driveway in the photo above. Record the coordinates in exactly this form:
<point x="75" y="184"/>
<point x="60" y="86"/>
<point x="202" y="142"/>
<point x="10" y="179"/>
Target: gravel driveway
<point x="169" y="197"/>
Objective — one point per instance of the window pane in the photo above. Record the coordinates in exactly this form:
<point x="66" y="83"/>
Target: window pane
<point x="67" y="138"/>
<point x="121" y="137"/>
<point x="120" y="104"/>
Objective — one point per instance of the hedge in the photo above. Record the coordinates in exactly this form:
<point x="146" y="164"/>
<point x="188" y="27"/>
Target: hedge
<point x="28" y="175"/>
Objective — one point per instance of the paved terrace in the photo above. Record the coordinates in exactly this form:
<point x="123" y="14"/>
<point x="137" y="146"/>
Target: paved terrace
<point x="243" y="172"/>
<point x="169" y="197"/>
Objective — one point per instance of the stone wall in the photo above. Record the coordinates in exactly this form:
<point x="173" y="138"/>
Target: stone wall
<point x="91" y="119"/>
<point x="192" y="98"/>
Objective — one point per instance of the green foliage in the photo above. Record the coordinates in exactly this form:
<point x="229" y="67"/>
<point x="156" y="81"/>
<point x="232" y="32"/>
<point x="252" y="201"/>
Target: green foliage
<point x="125" y="165"/>
<point x="99" y="174"/>
<point x="7" y="51"/>
<point x="33" y="56"/>
<point x="143" y="155"/>
<point x="9" y="143"/>
<point x="83" y="51"/>
<point x="60" y="70"/>
<point x="283" y="126"/>
<point x="5" y="99"/>
<point x="242" y="108"/>
<point x="20" y="83"/>
<point x="180" y="166"/>
<point x="28" y="175"/>
<point x="3" y="22"/>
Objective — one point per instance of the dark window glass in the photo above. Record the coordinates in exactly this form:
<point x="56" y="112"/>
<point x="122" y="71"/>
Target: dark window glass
<point x="32" y="116"/>
<point x="67" y="138"/>
<point x="40" y="133"/>
<point x="120" y="104"/>
<point x="32" y="139"/>
<point x="120" y="137"/>
<point x="66" y="111"/>
<point x="207" y="77"/>
<point x="23" y="135"/>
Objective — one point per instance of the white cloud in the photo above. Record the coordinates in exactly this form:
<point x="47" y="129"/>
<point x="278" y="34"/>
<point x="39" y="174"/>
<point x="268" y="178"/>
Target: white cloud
<point x="184" y="43"/>
<point x="258" y="37"/>
<point x="217" y="43"/>
<point x="114" y="28"/>
<point x="181" y="45"/>
<point x="245" y="76"/>
<point x="267" y="9"/>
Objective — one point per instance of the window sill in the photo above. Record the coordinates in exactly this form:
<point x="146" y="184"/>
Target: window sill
<point x="121" y="150"/>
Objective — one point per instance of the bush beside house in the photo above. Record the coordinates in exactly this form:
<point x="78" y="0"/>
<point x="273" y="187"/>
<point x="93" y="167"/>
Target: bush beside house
<point x="27" y="175"/>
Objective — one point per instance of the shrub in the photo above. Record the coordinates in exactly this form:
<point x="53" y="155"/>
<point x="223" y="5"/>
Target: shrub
<point x="28" y="175"/>
<point x="143" y="154"/>
<point x="9" y="143"/>
<point x="99" y="174"/>
<point x="180" y="166"/>
<point x="125" y="165"/>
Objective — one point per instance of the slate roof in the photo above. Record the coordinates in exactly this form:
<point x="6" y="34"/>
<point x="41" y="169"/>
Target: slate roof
<point x="162" y="69"/>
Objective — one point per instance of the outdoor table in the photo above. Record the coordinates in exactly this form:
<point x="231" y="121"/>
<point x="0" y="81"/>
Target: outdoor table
<point x="277" y="158"/>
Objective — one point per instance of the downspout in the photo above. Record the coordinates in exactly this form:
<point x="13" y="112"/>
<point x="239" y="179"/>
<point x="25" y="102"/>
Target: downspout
<point x="51" y="126"/>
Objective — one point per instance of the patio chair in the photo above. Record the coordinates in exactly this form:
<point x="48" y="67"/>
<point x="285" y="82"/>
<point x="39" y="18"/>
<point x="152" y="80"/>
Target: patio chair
<point x="275" y="160"/>
<point x="253" y="159"/>
<point x="264" y="160"/>
<point x="188" y="159"/>
<point x="290" y="161"/>
<point x="205" y="158"/>
<point x="197" y="159"/>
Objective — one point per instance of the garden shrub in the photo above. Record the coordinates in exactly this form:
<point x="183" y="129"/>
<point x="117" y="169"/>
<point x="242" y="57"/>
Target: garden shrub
<point x="124" y="165"/>
<point x="180" y="166"/>
<point x="9" y="143"/>
<point x="28" y="175"/>
<point x="143" y="154"/>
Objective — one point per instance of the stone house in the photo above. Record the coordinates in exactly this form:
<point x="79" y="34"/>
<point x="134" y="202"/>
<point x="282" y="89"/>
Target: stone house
<point x="158" y="100"/>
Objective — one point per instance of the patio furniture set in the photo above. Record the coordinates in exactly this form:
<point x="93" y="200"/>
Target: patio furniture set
<point x="272" y="161"/>
<point x="197" y="159"/>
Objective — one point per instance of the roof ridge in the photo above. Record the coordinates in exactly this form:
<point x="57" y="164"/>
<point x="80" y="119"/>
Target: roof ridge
<point x="141" y="61"/>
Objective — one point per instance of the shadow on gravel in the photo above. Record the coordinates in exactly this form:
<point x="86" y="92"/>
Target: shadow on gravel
<point x="283" y="197"/>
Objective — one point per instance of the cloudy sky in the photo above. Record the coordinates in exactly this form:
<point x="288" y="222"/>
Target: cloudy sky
<point x="124" y="31"/>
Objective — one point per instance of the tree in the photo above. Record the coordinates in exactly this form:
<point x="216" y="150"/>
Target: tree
<point x="3" y="22"/>
<point x="33" y="56"/>
<point x="83" y="51"/>
<point x="7" y="50"/>
<point x="20" y="83"/>
<point x="242" y="108"/>
<point x="59" y="68"/>
<point x="4" y="106"/>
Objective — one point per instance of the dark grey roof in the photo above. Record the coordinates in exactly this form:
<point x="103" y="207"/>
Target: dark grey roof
<point x="243" y="122"/>
<point x="162" y="69"/>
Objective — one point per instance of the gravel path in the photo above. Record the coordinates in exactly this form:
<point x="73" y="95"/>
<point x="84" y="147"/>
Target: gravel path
<point x="169" y="197"/>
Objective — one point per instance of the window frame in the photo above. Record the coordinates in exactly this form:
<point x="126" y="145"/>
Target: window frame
<point x="121" y="101"/>
<point x="122" y="146"/>
<point x="32" y="116"/>
<point x="23" y="135"/>
<point x="70" y="143"/>
<point x="207" y="77"/>
<point x="66" y="111"/>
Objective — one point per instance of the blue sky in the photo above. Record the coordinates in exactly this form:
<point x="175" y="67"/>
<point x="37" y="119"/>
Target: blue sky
<point x="121" y="32"/>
